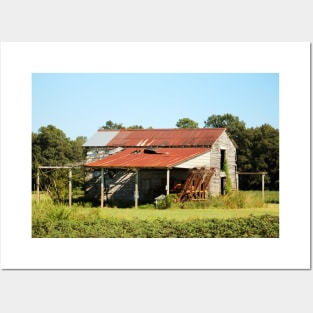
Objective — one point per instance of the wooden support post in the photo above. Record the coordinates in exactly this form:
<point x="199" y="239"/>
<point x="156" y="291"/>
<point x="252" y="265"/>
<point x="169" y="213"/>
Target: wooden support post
<point x="168" y="181"/>
<point x="102" y="187"/>
<point x="255" y="173"/>
<point x="70" y="187"/>
<point x="263" y="186"/>
<point x="37" y="187"/>
<point x="237" y="182"/>
<point x="136" y="190"/>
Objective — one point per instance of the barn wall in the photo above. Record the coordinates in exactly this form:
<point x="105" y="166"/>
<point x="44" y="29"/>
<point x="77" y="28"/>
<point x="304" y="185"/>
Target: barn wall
<point x="223" y="143"/>
<point x="200" y="161"/>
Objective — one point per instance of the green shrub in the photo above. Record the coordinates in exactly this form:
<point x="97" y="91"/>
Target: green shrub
<point x="234" y="200"/>
<point x="168" y="201"/>
<point x="265" y="226"/>
<point x="59" y="213"/>
<point x="228" y="184"/>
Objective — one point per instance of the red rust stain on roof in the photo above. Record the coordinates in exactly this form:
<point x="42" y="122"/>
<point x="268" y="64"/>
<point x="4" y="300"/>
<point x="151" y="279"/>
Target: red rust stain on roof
<point x="136" y="158"/>
<point x="166" y="137"/>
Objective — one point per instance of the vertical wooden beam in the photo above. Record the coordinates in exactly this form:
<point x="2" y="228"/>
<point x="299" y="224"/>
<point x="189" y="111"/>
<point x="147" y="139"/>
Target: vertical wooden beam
<point x="70" y="187"/>
<point x="37" y="187"/>
<point x="237" y="181"/>
<point x="263" y="186"/>
<point x="136" y="189"/>
<point x="102" y="188"/>
<point x="168" y="181"/>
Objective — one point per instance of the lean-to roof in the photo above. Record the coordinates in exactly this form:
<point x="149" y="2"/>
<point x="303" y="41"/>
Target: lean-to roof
<point x="156" y="158"/>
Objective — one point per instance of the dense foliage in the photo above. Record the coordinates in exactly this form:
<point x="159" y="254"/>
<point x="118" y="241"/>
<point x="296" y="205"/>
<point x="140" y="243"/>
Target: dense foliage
<point x="186" y="123"/>
<point x="111" y="125"/>
<point x="51" y="147"/>
<point x="265" y="226"/>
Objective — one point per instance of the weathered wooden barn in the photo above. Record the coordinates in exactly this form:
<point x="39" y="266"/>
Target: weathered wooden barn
<point x="124" y="167"/>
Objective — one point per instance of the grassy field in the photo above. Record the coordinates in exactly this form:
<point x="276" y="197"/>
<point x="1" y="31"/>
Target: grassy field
<point x="208" y="219"/>
<point x="177" y="214"/>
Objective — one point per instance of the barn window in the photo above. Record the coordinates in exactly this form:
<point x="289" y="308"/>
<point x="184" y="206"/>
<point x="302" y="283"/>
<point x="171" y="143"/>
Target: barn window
<point x="223" y="154"/>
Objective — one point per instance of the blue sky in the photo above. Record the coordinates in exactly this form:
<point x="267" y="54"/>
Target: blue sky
<point x="79" y="104"/>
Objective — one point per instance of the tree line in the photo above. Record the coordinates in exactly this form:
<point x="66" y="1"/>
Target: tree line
<point x="257" y="151"/>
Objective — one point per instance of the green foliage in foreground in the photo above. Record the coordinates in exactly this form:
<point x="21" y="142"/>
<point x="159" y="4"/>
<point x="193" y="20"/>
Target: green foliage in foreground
<point x="223" y="217"/>
<point x="57" y="221"/>
<point x="265" y="226"/>
<point x="232" y="200"/>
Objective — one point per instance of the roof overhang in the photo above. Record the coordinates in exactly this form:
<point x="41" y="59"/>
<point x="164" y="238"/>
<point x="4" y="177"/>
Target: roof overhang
<point x="138" y="158"/>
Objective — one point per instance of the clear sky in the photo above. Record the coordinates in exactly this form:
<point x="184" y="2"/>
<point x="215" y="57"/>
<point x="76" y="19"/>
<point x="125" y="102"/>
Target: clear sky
<point x="79" y="104"/>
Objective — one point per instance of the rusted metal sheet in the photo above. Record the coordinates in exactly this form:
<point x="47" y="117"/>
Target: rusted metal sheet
<point x="166" y="137"/>
<point x="137" y="158"/>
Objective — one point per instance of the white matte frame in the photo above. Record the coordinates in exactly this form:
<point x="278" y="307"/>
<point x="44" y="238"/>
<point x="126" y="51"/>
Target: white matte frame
<point x="290" y="251"/>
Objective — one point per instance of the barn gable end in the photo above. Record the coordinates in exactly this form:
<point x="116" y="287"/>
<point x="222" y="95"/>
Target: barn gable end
<point x="161" y="158"/>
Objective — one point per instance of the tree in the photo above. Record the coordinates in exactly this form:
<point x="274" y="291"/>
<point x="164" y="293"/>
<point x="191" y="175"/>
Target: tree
<point x="265" y="154"/>
<point x="51" y="147"/>
<point x="110" y="125"/>
<point x="78" y="152"/>
<point x="135" y="127"/>
<point x="186" y="123"/>
<point x="235" y="127"/>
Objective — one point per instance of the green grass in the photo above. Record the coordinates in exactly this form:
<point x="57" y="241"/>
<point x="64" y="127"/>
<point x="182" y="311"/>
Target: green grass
<point x="240" y="215"/>
<point x="213" y="208"/>
<point x="177" y="214"/>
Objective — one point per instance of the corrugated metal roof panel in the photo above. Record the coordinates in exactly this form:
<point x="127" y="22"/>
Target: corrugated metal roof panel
<point x="101" y="138"/>
<point x="136" y="158"/>
<point x="166" y="137"/>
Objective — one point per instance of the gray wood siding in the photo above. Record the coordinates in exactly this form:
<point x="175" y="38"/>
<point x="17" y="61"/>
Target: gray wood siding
<point x="200" y="161"/>
<point x="222" y="143"/>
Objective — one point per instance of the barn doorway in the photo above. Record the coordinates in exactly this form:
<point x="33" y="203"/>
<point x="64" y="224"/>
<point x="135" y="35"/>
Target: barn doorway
<point x="223" y="182"/>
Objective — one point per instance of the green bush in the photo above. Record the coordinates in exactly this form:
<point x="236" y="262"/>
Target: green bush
<point x="59" y="213"/>
<point x="228" y="184"/>
<point x="265" y="226"/>
<point x="232" y="200"/>
<point x="168" y="201"/>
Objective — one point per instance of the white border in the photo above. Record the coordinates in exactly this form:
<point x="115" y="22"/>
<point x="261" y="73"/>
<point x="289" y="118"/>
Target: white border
<point x="20" y="251"/>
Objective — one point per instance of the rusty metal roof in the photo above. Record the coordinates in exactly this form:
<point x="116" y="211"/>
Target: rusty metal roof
<point x="138" y="158"/>
<point x="175" y="137"/>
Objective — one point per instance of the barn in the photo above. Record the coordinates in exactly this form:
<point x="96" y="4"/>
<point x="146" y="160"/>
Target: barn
<point x="130" y="166"/>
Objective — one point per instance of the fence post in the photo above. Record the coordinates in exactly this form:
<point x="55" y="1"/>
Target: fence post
<point x="37" y="187"/>
<point x="263" y="186"/>
<point x="168" y="181"/>
<point x="136" y="190"/>
<point x="102" y="187"/>
<point x="70" y="187"/>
